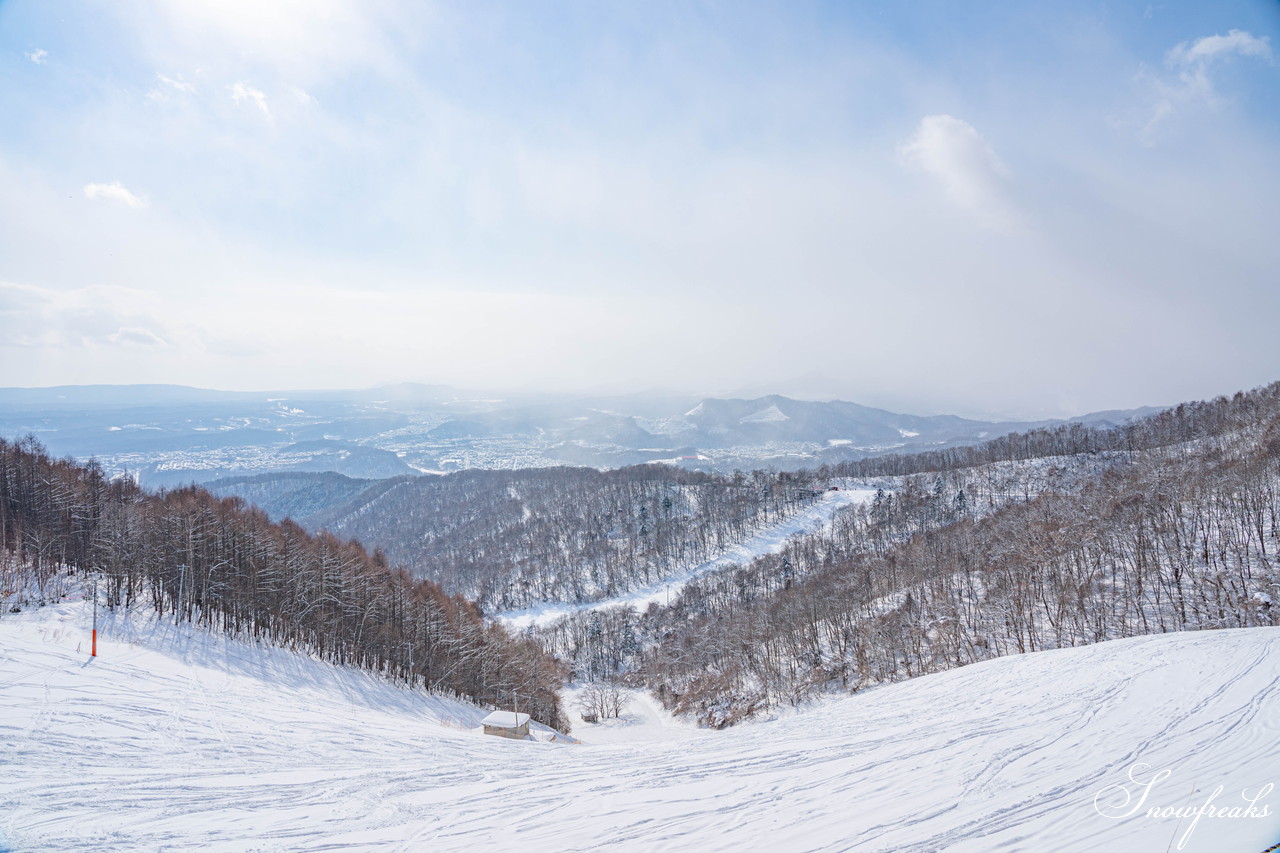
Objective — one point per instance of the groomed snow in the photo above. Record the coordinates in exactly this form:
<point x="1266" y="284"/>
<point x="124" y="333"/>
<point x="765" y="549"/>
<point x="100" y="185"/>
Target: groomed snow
<point x="768" y="540"/>
<point x="189" y="742"/>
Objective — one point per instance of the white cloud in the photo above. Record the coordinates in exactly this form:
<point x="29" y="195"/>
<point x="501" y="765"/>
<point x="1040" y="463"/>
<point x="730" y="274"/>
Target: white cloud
<point x="304" y="41"/>
<point x="1190" y="81"/>
<point x="38" y="56"/>
<point x="966" y="165"/>
<point x="170" y="85"/>
<point x="178" y="83"/>
<point x="244" y="93"/>
<point x="114" y="191"/>
<point x="134" y="335"/>
<point x="96" y="317"/>
<point x="1209" y="48"/>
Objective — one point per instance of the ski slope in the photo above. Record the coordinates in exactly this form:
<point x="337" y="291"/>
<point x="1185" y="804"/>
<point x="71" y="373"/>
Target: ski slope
<point x="176" y="740"/>
<point x="767" y="540"/>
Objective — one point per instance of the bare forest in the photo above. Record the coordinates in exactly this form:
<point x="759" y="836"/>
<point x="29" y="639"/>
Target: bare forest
<point x="219" y="563"/>
<point x="1053" y="539"/>
<point x="510" y="539"/>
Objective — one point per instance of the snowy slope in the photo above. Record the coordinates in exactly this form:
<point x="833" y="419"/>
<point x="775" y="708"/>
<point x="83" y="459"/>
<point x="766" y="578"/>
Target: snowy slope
<point x="195" y="743"/>
<point x="643" y="719"/>
<point x="768" y="540"/>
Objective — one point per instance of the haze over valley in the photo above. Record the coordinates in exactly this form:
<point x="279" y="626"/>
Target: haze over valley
<point x="172" y="435"/>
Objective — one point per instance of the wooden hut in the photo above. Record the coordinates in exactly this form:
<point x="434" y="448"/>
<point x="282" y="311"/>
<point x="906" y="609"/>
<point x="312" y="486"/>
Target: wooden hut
<point x="506" y="724"/>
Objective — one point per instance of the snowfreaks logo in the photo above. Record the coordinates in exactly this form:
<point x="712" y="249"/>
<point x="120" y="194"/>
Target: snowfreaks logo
<point x="1124" y="800"/>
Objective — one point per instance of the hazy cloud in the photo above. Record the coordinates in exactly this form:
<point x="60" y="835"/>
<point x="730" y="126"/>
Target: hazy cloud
<point x="643" y="195"/>
<point x="132" y="335"/>
<point x="244" y="93"/>
<point x="169" y="86"/>
<point x="85" y="317"/>
<point x="38" y="56"/>
<point x="1190" y="64"/>
<point x="19" y="306"/>
<point x="181" y="85"/>
<point x="304" y="40"/>
<point x="114" y="191"/>
<point x="973" y="175"/>
<point x="178" y="84"/>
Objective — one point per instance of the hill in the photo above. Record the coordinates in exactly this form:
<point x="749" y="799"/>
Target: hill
<point x="512" y="539"/>
<point x="1050" y="539"/>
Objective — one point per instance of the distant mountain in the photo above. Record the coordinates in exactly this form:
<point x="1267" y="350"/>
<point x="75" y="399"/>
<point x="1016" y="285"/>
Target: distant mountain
<point x="409" y="392"/>
<point x="1115" y="417"/>
<point x="296" y="495"/>
<point x="170" y="434"/>
<point x="116" y="396"/>
<point x="813" y="386"/>
<point x="776" y="418"/>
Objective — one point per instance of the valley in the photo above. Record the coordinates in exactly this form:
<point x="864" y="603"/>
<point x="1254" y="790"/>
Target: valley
<point x="166" y="436"/>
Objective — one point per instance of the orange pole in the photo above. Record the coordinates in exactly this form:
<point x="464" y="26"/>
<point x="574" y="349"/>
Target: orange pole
<point x="94" y="653"/>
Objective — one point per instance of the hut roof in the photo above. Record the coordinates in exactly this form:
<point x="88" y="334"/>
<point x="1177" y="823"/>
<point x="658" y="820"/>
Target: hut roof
<point x="505" y="719"/>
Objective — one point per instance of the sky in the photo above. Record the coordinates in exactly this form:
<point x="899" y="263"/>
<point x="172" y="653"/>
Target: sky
<point x="1018" y="209"/>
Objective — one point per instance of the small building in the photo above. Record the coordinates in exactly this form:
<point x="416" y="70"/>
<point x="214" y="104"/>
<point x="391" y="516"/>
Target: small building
<point x="506" y="724"/>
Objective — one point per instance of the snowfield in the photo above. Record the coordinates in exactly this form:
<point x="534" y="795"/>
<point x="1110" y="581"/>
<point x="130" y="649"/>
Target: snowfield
<point x="173" y="739"/>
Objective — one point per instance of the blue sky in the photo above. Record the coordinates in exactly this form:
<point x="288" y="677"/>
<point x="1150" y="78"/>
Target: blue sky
<point x="983" y="207"/>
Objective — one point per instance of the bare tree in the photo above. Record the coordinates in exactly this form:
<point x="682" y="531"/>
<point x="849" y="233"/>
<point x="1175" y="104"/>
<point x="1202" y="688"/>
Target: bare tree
<point x="601" y="700"/>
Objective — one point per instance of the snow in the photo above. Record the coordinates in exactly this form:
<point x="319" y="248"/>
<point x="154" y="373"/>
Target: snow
<point x="676" y="460"/>
<point x="768" y="540"/>
<point x="505" y="719"/>
<point x="176" y="740"/>
<point x="642" y="720"/>
<point x="769" y="415"/>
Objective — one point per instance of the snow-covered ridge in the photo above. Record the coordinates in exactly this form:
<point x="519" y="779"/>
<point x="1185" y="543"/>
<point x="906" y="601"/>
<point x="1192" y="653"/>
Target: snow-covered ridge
<point x="189" y="742"/>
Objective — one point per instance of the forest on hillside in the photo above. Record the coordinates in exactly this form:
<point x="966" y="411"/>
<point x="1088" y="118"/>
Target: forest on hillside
<point x="1053" y="539"/>
<point x="219" y="563"/>
<point x="511" y="539"/>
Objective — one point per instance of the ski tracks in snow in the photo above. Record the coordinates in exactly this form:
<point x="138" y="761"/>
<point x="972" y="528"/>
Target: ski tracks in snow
<point x="218" y="745"/>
